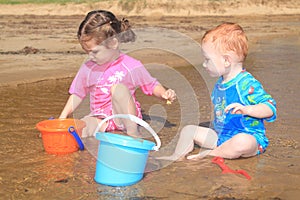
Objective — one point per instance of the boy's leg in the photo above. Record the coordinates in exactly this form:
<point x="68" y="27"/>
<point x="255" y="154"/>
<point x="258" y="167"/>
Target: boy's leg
<point x="207" y="138"/>
<point x="190" y="135"/>
<point x="240" y="145"/>
<point x="123" y="103"/>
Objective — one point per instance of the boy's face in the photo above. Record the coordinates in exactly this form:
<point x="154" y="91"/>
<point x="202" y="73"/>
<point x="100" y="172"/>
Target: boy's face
<point x="214" y="62"/>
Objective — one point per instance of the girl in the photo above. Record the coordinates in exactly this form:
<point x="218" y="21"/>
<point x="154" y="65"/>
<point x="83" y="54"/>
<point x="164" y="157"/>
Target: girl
<point x="109" y="76"/>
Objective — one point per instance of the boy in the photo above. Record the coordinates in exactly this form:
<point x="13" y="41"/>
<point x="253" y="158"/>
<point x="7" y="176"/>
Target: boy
<point x="240" y="103"/>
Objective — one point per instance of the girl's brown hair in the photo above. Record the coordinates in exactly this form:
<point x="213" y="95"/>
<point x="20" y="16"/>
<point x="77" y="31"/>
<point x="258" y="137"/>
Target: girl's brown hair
<point x="101" y="25"/>
<point x="228" y="37"/>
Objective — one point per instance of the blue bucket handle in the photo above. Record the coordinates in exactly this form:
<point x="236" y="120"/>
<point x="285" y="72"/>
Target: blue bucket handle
<point x="76" y="137"/>
<point x="136" y="120"/>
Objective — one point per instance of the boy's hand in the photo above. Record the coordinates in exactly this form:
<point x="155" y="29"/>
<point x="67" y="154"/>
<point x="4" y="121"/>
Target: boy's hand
<point x="260" y="110"/>
<point x="236" y="108"/>
<point x="169" y="95"/>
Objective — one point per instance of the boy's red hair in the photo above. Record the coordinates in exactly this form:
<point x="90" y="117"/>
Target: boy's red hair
<point x="228" y="37"/>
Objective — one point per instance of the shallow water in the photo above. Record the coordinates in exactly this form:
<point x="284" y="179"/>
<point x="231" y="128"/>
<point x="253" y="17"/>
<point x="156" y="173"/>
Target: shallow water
<point x="27" y="172"/>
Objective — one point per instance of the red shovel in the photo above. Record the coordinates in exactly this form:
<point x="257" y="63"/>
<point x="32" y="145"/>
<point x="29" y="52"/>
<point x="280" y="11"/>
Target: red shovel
<point x="225" y="169"/>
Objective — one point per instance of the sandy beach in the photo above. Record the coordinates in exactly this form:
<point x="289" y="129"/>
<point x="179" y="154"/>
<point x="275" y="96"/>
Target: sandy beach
<point x="39" y="56"/>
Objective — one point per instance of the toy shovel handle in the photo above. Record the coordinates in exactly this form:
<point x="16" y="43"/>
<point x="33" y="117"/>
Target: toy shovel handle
<point x="220" y="162"/>
<point x="136" y="120"/>
<point x="225" y="169"/>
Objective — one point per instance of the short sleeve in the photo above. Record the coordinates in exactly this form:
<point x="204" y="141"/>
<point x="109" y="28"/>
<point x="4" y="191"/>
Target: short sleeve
<point x="79" y="85"/>
<point x="144" y="80"/>
<point x="254" y="93"/>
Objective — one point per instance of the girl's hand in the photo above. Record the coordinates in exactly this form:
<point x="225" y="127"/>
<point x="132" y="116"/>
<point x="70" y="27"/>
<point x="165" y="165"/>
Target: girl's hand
<point x="236" y="108"/>
<point x="169" y="95"/>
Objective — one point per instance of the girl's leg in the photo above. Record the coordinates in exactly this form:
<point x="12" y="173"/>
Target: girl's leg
<point x="190" y="135"/>
<point x="240" y="145"/>
<point x="91" y="125"/>
<point x="123" y="103"/>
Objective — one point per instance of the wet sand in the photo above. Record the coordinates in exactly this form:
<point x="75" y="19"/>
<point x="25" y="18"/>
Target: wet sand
<point x="40" y="55"/>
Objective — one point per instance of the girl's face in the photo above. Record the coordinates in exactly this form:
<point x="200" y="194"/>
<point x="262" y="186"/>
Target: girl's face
<point x="214" y="62"/>
<point x="99" y="53"/>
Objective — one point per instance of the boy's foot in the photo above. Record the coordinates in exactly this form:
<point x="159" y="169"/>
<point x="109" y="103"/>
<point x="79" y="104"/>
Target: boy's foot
<point x="199" y="156"/>
<point x="172" y="158"/>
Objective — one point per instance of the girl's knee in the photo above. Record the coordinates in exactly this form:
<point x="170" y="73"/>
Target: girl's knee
<point x="119" y="89"/>
<point x="119" y="93"/>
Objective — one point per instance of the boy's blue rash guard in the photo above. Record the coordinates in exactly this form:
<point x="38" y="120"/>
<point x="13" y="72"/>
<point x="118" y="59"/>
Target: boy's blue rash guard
<point x="246" y="90"/>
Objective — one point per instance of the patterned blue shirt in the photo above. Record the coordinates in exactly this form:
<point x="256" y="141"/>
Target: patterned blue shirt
<point x="246" y="90"/>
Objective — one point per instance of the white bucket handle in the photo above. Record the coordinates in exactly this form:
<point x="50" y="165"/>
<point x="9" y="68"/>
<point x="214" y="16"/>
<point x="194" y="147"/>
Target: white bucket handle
<point x="136" y="120"/>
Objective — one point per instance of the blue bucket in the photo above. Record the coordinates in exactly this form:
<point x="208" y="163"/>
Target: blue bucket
<point x="122" y="159"/>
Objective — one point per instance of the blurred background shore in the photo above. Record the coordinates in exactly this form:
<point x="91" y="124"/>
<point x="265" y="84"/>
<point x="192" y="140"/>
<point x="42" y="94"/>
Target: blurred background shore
<point x="151" y="7"/>
<point x="38" y="38"/>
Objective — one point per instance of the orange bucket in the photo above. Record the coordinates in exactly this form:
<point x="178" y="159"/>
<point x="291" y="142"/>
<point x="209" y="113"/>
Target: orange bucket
<point x="56" y="136"/>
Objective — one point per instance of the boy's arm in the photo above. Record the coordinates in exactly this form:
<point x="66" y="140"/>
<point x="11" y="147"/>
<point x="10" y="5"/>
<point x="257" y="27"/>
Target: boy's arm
<point x="257" y="102"/>
<point x="72" y="103"/>
<point x="260" y="110"/>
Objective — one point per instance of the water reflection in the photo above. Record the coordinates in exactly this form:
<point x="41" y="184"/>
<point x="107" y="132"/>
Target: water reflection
<point x="120" y="193"/>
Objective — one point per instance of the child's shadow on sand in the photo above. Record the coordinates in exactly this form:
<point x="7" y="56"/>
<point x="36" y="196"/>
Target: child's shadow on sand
<point x="206" y="124"/>
<point x="158" y="120"/>
<point x="161" y="120"/>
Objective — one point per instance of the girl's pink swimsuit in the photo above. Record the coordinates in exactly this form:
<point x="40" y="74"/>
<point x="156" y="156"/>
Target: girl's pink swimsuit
<point x="97" y="81"/>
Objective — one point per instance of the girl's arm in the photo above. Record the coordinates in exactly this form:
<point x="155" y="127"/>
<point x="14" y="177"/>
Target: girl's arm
<point x="150" y="85"/>
<point x="72" y="103"/>
<point x="160" y="92"/>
